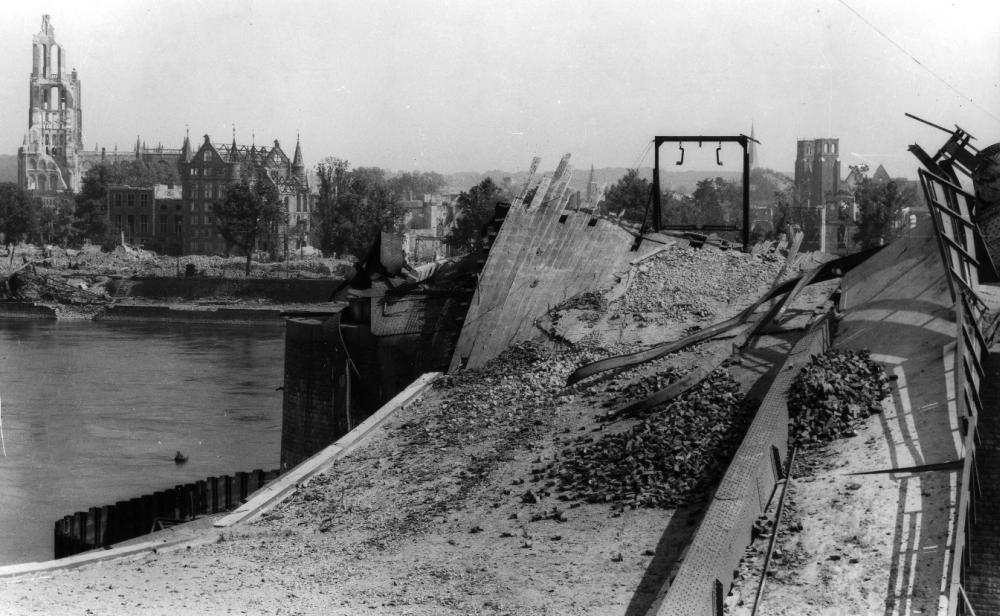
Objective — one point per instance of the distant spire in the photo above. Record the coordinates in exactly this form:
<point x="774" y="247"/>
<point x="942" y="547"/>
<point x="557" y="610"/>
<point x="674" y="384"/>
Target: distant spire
<point x="297" y="158"/>
<point x="138" y="144"/>
<point x="186" y="148"/>
<point x="298" y="167"/>
<point x="233" y="155"/>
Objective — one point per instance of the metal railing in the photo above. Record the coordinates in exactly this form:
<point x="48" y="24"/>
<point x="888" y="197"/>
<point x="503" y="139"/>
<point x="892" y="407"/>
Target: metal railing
<point x="968" y="373"/>
<point x="959" y="239"/>
<point x="953" y="212"/>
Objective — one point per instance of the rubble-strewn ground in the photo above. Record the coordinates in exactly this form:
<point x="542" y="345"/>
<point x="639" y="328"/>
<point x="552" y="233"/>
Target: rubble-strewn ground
<point x="445" y="510"/>
<point x="80" y="284"/>
<point x="669" y="294"/>
<point x="91" y="261"/>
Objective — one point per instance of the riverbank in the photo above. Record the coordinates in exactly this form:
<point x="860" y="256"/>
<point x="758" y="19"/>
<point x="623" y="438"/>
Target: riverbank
<point x="210" y="311"/>
<point x="128" y="284"/>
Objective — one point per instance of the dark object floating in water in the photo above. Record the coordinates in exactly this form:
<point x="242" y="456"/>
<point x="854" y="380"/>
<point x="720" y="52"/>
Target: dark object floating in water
<point x="180" y="458"/>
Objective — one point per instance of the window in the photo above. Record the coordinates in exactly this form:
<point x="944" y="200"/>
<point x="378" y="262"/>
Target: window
<point x="118" y="222"/>
<point x="131" y="199"/>
<point x="178" y="224"/>
<point x="131" y="224"/>
<point x="144" y="199"/>
<point x="144" y="224"/>
<point x="118" y="199"/>
<point x="163" y="223"/>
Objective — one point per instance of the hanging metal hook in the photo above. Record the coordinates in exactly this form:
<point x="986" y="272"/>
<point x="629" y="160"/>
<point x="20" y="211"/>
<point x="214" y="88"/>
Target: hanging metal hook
<point x="718" y="154"/>
<point x="681" y="161"/>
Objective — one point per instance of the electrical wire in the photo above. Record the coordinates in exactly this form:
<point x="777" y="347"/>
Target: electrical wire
<point x="3" y="443"/>
<point x="919" y="63"/>
<point x="643" y="155"/>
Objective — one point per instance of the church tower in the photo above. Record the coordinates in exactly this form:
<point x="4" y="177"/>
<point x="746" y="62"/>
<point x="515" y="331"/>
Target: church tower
<point x="817" y="168"/>
<point x="48" y="160"/>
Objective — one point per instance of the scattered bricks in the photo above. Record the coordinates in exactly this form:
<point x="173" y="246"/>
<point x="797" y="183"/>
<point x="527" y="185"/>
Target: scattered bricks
<point x="671" y="458"/>
<point x="833" y="394"/>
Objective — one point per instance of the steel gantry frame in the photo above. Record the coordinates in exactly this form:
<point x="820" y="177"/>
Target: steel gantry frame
<point x="741" y="139"/>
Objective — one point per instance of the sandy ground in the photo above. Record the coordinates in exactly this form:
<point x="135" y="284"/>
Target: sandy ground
<point x="861" y="534"/>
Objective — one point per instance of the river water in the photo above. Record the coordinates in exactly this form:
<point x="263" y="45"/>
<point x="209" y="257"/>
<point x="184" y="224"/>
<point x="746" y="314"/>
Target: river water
<point x="94" y="412"/>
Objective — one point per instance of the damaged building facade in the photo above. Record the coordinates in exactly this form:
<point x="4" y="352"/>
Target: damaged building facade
<point x="52" y="163"/>
<point x="209" y="171"/>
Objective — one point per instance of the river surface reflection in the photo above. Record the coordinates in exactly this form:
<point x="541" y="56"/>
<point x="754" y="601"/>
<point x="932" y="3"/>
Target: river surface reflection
<point x="94" y="412"/>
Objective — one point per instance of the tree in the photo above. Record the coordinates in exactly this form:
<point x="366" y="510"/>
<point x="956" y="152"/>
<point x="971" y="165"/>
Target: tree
<point x="55" y="222"/>
<point x="473" y="209"/>
<point x="332" y="176"/>
<point x="719" y="201"/>
<point x="629" y="197"/>
<point x="90" y="219"/>
<point x="353" y="207"/>
<point x="247" y="212"/>
<point x="17" y="213"/>
<point x="678" y="209"/>
<point x="880" y="208"/>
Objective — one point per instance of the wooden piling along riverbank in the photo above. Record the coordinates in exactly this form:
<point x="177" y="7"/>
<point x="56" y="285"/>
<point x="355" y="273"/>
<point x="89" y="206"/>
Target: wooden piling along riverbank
<point x="104" y="526"/>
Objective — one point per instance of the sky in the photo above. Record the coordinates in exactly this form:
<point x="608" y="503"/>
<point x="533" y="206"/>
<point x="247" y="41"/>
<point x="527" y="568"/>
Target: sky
<point x="451" y="86"/>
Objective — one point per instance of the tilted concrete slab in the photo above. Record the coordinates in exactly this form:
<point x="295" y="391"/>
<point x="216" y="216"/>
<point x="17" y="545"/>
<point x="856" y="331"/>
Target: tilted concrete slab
<point x="540" y="258"/>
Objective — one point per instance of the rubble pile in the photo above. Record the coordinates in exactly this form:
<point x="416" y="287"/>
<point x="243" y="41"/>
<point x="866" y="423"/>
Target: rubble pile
<point x="668" y="459"/>
<point x="504" y="394"/>
<point x="682" y="284"/>
<point x="127" y="261"/>
<point x="634" y="384"/>
<point x="649" y="385"/>
<point x="833" y="393"/>
<point x="29" y="285"/>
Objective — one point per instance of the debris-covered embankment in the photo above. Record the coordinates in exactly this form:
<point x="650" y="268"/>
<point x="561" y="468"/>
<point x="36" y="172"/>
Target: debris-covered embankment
<point x="501" y="491"/>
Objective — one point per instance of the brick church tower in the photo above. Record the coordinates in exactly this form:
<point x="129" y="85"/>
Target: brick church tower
<point x="817" y="169"/>
<point x="48" y="160"/>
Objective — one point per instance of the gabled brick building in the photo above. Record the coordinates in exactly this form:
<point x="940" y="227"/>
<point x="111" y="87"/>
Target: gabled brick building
<point x="208" y="172"/>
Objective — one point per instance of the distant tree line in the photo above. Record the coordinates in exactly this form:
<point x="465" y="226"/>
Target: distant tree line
<point x="719" y="201"/>
<point x="354" y="205"/>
